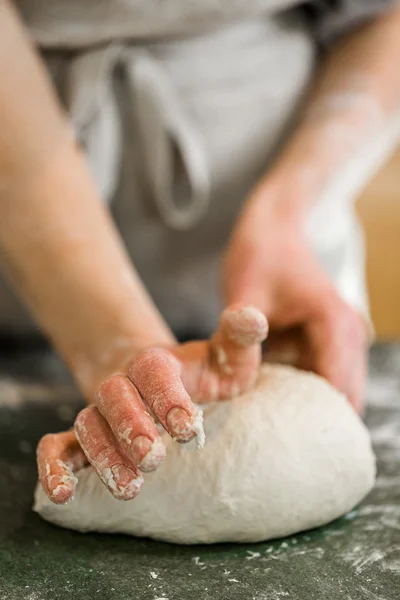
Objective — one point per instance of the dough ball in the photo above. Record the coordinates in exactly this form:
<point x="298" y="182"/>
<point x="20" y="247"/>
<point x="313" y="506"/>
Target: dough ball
<point x="289" y="455"/>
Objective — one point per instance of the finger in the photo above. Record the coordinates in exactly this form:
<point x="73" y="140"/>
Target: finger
<point x="157" y="375"/>
<point x="121" y="477"/>
<point x="120" y="404"/>
<point x="237" y="342"/>
<point x="58" y="456"/>
<point x="338" y="340"/>
<point x="242" y="326"/>
<point x="357" y="384"/>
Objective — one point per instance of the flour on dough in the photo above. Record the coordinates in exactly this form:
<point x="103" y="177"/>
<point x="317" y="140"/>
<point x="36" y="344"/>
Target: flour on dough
<point x="287" y="456"/>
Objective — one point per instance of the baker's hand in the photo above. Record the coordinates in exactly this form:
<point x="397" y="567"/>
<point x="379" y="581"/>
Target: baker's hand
<point x="117" y="434"/>
<point x="270" y="265"/>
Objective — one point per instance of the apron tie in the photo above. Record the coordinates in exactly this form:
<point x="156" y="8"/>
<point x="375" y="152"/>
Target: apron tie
<point x="175" y="158"/>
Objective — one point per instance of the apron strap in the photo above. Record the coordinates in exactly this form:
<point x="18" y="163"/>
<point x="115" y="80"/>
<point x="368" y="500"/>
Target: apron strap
<point x="175" y="158"/>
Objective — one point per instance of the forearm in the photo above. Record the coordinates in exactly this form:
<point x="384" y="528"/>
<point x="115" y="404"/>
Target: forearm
<point x="354" y="103"/>
<point x="57" y="241"/>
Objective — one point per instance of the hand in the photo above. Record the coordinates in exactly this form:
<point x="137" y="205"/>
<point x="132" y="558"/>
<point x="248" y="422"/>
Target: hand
<point x="270" y="265"/>
<point x="117" y="434"/>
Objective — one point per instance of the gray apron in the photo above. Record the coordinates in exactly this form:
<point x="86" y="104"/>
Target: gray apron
<point x="176" y="134"/>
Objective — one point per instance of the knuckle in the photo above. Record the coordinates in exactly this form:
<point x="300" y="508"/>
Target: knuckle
<point x="103" y="456"/>
<point x="149" y="357"/>
<point x="109" y="387"/>
<point x="151" y="360"/>
<point x="46" y="442"/>
<point x="83" y="417"/>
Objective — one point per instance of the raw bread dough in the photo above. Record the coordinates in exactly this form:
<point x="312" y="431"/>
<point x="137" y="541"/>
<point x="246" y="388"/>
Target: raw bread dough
<point x="289" y="455"/>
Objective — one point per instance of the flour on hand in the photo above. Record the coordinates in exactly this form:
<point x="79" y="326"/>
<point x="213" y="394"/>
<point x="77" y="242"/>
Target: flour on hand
<point x="289" y="455"/>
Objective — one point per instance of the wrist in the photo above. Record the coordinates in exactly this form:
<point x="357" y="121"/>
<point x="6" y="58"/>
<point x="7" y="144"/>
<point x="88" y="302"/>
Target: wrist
<point x="280" y="200"/>
<point x="67" y="262"/>
<point x="328" y="139"/>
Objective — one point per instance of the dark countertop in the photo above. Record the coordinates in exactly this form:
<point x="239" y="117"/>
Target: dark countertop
<point x="356" y="557"/>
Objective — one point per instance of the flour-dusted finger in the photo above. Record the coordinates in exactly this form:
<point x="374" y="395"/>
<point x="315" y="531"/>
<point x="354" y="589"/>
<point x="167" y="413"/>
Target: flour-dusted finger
<point x="58" y="456"/>
<point x="242" y="326"/>
<point x="157" y="375"/>
<point x="117" y="473"/>
<point x="120" y="404"/>
<point x="236" y="346"/>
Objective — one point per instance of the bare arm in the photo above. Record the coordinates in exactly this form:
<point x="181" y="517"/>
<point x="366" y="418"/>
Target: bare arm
<point x="355" y="99"/>
<point x="57" y="241"/>
<point x="61" y="250"/>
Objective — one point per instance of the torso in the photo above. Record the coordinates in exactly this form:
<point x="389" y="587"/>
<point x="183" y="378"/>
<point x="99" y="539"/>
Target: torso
<point x="233" y="91"/>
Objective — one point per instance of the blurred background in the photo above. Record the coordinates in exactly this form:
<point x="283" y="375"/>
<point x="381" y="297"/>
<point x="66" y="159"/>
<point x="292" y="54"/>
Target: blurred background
<point x="379" y="210"/>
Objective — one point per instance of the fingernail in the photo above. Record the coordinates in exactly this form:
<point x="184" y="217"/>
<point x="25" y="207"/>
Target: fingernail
<point x="61" y="487"/>
<point x="147" y="453"/>
<point x="124" y="482"/>
<point x="180" y="425"/>
<point x="64" y="490"/>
